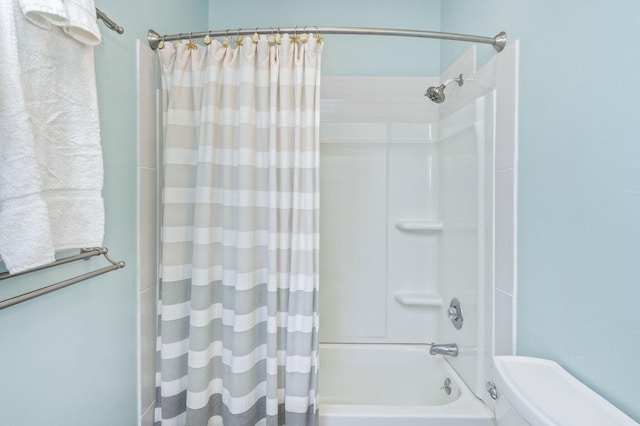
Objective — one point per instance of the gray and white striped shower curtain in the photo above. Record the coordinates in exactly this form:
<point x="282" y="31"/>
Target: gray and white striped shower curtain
<point x="238" y="307"/>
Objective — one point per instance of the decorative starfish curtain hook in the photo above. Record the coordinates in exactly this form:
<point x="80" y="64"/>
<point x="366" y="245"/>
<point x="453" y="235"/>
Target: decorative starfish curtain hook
<point x="317" y="36"/>
<point x="191" y="45"/>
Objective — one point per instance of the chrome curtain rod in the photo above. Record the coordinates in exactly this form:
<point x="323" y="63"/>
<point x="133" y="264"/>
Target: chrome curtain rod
<point x="498" y="42"/>
<point x="84" y="254"/>
<point x="108" y="22"/>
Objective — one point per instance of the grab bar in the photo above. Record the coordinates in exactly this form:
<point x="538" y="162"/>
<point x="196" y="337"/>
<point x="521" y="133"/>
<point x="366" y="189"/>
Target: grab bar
<point x="84" y="254"/>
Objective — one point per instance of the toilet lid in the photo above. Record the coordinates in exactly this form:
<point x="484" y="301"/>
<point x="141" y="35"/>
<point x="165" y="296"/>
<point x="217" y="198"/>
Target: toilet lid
<point x="546" y="394"/>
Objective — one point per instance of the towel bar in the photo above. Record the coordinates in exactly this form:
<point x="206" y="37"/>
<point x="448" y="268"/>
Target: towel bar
<point x="108" y="22"/>
<point x="84" y="254"/>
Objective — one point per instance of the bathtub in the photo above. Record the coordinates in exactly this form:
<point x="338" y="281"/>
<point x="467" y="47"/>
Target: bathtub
<point x="393" y="385"/>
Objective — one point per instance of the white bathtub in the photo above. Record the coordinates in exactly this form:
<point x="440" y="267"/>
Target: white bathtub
<point x="393" y="385"/>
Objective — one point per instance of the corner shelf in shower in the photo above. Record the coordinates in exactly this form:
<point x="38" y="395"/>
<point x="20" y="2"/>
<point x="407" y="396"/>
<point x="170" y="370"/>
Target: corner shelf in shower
<point x="419" y="225"/>
<point x="418" y="298"/>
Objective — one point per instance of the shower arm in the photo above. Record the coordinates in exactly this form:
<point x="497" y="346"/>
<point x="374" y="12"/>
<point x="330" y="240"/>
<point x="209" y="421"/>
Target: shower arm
<point x="459" y="79"/>
<point x="498" y="42"/>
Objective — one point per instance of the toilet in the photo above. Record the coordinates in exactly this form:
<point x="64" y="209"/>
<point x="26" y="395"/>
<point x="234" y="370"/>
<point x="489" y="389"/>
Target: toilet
<point x="539" y="392"/>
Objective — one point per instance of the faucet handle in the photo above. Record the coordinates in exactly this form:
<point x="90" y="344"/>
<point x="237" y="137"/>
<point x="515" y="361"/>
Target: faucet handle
<point x="455" y="313"/>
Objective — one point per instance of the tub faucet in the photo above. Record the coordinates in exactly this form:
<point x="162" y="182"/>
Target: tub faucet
<point x="450" y="349"/>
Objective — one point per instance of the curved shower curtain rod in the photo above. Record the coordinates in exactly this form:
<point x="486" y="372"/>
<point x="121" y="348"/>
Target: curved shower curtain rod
<point x="498" y="42"/>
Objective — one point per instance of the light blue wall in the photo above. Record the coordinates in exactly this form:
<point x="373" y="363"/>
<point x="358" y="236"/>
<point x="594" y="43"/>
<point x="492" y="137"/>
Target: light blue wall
<point x="579" y="183"/>
<point x="349" y="55"/>
<point x="69" y="358"/>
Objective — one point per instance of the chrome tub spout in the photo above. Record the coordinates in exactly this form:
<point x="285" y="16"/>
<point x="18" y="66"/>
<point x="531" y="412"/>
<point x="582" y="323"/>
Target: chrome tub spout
<point x="449" y="349"/>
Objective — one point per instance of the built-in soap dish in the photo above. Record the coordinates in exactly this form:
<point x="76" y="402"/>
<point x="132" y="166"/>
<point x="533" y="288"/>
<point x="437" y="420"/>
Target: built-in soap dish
<point x="419" y="225"/>
<point x="418" y="298"/>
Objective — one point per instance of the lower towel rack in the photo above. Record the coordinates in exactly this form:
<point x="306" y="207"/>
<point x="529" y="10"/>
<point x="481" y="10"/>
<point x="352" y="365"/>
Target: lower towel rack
<point x="84" y="254"/>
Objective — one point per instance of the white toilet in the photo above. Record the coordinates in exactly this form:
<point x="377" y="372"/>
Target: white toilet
<point x="539" y="392"/>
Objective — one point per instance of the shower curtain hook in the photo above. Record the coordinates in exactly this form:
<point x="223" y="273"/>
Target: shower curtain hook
<point x="278" y="37"/>
<point x="255" y="38"/>
<point x="238" y="38"/>
<point x="271" y="39"/>
<point x="191" y="45"/>
<point x="225" y="40"/>
<point x="317" y="36"/>
<point x="207" y="38"/>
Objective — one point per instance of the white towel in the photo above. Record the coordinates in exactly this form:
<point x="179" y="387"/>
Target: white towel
<point x="76" y="17"/>
<point x="25" y="237"/>
<point x="51" y="169"/>
<point x="45" y="13"/>
<point x="82" y="23"/>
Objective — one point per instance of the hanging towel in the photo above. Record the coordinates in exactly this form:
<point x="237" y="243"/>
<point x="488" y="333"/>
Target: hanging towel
<point x="76" y="17"/>
<point x="25" y="237"/>
<point x="45" y="13"/>
<point x="82" y="23"/>
<point x="51" y="168"/>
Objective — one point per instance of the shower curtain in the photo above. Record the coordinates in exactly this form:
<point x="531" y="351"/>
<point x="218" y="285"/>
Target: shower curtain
<point x="238" y="303"/>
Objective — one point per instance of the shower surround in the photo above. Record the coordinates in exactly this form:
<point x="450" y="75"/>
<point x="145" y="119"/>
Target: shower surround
<point x="417" y="209"/>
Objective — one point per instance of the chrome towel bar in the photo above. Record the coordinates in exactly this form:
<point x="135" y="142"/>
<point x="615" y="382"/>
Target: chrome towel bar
<point x="108" y="22"/>
<point x="84" y="254"/>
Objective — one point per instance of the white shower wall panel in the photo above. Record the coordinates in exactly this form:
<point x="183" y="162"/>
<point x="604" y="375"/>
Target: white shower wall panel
<point x="412" y="197"/>
<point x="353" y="240"/>
<point x="461" y="235"/>
<point x="412" y="256"/>
<point x="466" y="160"/>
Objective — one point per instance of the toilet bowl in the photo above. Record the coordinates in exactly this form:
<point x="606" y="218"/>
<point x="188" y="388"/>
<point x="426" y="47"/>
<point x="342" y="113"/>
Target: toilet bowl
<point x="539" y="392"/>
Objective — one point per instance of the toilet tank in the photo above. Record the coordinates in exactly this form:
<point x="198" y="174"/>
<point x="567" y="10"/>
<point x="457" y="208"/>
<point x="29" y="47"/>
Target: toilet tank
<point x="539" y="392"/>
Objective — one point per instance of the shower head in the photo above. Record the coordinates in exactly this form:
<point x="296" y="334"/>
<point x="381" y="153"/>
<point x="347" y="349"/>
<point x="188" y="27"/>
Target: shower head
<point x="436" y="94"/>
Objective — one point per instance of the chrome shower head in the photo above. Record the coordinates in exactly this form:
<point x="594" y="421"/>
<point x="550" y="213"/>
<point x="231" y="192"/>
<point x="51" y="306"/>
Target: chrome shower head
<point x="436" y="94"/>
